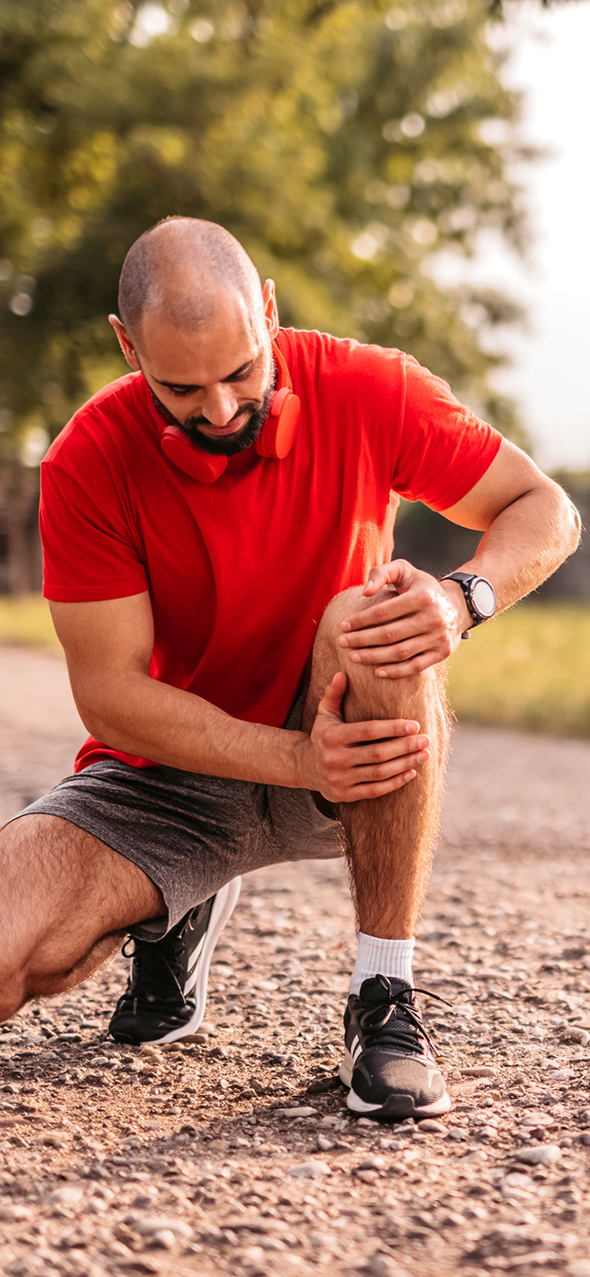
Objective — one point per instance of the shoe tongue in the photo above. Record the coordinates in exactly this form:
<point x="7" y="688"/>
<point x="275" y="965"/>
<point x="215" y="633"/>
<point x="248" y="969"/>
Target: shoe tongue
<point x="379" y="988"/>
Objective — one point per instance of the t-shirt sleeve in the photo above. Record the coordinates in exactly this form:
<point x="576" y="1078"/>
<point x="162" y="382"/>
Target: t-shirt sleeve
<point x="444" y="449"/>
<point x="88" y="550"/>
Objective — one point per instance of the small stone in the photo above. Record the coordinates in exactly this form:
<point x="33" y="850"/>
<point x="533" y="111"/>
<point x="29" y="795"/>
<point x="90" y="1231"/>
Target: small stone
<point x="516" y="1186"/>
<point x="382" y="1266"/>
<point x="310" y="1170"/>
<point x="540" y="1154"/>
<point x="304" y="1111"/>
<point x="372" y="1164"/>
<point x="433" y="1127"/>
<point x="479" y="1070"/>
<point x="208" y="1029"/>
<point x="53" y="1140"/>
<point x="69" y="1195"/>
<point x="159" y="1223"/>
<point x="324" y="1144"/>
<point x="457" y="1133"/>
<point x="561" y="1075"/>
<point x="11" y="1212"/>
<point x="578" y="1268"/>
<point x="477" y="1157"/>
<point x="164" y="1238"/>
<point x="576" y="1035"/>
<point x="324" y="1084"/>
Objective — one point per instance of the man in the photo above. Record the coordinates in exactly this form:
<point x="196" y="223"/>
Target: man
<point x="260" y="681"/>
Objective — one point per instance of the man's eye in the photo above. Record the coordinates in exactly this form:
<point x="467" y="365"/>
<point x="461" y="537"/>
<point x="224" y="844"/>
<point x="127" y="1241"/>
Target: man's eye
<point x="180" y="394"/>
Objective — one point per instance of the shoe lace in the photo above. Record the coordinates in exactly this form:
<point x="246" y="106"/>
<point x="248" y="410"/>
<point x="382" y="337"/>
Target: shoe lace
<point x="397" y="1023"/>
<point x="155" y="966"/>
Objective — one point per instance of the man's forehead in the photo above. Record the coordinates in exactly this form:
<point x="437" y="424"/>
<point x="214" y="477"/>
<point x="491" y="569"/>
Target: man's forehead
<point x="212" y="353"/>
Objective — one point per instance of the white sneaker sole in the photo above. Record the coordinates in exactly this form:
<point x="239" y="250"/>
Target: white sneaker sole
<point x="357" y="1105"/>
<point x="223" y="907"/>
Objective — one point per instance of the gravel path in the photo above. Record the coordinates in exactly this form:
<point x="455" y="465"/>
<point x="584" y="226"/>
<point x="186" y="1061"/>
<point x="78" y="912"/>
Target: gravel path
<point x="233" y="1153"/>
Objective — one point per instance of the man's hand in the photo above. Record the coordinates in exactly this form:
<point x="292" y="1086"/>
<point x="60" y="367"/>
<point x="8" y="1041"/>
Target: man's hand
<point x="419" y="624"/>
<point x="350" y="761"/>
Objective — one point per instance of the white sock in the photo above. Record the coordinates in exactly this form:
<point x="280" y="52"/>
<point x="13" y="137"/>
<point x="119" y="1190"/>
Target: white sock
<point x="381" y="957"/>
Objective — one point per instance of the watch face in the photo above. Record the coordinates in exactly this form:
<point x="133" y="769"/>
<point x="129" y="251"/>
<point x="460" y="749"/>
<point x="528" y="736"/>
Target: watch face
<point x="483" y="598"/>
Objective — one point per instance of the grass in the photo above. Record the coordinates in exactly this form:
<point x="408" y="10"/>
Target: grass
<point x="528" y="669"/>
<point x="26" y="622"/>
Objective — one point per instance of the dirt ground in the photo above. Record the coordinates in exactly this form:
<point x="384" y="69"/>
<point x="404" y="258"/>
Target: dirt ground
<point x="234" y="1153"/>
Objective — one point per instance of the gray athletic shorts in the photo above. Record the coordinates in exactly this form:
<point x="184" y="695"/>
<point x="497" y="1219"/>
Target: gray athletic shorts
<point x="190" y="833"/>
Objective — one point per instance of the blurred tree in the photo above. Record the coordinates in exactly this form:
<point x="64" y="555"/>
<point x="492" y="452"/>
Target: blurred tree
<point x="344" y="142"/>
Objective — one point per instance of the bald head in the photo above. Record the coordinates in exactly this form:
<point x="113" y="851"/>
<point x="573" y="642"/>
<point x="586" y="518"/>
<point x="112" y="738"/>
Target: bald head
<point x="180" y="270"/>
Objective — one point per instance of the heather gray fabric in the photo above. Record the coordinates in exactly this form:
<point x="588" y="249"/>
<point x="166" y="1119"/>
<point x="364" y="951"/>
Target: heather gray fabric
<point x="190" y="833"/>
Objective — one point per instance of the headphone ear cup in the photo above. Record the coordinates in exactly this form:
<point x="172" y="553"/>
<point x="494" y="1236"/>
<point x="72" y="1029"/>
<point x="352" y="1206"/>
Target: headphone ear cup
<point x="190" y="458"/>
<point x="280" y="428"/>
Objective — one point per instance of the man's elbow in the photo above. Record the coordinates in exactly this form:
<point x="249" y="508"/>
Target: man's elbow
<point x="569" y="524"/>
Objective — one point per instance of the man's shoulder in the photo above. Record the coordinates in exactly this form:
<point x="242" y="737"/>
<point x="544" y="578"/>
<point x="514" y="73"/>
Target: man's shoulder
<point x="327" y="359"/>
<point x="100" y="419"/>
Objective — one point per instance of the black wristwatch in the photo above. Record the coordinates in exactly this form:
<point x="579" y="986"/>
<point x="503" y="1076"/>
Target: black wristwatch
<point x="480" y="596"/>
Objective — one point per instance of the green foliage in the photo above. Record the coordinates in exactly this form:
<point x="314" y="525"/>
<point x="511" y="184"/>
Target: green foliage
<point x="342" y="141"/>
<point x="529" y="668"/>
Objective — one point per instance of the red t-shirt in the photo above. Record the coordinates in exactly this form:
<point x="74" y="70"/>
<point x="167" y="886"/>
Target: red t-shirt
<point x="240" y="571"/>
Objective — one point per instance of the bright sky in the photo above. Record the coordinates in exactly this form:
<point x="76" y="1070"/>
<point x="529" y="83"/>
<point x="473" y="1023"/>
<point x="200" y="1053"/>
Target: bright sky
<point x="550" y="373"/>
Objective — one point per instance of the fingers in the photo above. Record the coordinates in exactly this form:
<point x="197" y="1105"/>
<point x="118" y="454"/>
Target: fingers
<point x="405" y="669"/>
<point x="378" y="788"/>
<point x="380" y="729"/>
<point x="399" y="573"/>
<point x="386" y="752"/>
<point x="331" y="702"/>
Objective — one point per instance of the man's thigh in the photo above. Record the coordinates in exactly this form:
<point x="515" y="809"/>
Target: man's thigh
<point x="189" y="834"/>
<point x="63" y="890"/>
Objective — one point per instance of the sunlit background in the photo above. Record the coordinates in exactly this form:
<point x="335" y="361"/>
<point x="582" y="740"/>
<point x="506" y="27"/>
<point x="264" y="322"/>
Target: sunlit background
<point x="548" y="50"/>
<point x="383" y="163"/>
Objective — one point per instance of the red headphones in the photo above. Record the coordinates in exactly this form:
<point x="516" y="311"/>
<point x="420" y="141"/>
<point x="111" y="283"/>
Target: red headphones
<point x="275" y="439"/>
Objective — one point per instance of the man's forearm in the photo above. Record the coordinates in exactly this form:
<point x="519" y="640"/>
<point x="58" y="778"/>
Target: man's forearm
<point x="526" y="543"/>
<point x="137" y="715"/>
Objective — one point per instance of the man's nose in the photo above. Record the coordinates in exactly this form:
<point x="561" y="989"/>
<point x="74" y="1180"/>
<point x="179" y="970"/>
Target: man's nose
<point x="219" y="405"/>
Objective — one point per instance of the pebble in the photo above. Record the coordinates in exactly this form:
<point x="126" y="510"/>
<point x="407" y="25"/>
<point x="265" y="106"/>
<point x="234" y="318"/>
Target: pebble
<point x="538" y="1119"/>
<point x="304" y="1111"/>
<point x="432" y="1126"/>
<point x="457" y="1133"/>
<point x="517" y="1186"/>
<point x="579" y="1268"/>
<point x="540" y="1154"/>
<point x="372" y="1164"/>
<point x="152" y="1224"/>
<point x="310" y="1170"/>
<point x="164" y="1238"/>
<point x="382" y="1266"/>
<point x="324" y="1144"/>
<point x="479" y="1070"/>
<point x="576" y="1035"/>
<point x="13" y="1213"/>
<point x="69" y="1195"/>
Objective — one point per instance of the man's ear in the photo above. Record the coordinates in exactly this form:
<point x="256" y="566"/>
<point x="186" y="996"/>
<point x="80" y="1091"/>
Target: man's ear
<point x="271" y="313"/>
<point x="126" y="345"/>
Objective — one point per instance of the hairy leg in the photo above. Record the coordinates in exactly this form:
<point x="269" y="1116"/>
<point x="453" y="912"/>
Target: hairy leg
<point x="389" y="839"/>
<point x="67" y="900"/>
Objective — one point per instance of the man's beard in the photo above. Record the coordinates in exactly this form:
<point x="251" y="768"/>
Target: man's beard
<point x="224" y="445"/>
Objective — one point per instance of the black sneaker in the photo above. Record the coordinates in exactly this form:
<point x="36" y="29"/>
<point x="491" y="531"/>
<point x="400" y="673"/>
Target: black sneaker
<point x="166" y="991"/>
<point x="388" y="1061"/>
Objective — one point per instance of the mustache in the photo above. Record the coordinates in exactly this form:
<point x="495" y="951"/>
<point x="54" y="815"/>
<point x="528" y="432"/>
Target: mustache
<point x="246" y="410"/>
<point x="255" y="413"/>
